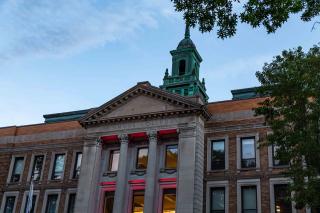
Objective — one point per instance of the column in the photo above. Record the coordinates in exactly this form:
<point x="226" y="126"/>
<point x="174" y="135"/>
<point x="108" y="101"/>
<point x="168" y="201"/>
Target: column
<point x="190" y="169"/>
<point x="151" y="176"/>
<point x="86" y="199"/>
<point x="119" y="198"/>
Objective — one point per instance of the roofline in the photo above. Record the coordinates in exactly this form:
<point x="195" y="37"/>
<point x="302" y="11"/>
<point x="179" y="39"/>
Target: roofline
<point x="60" y="114"/>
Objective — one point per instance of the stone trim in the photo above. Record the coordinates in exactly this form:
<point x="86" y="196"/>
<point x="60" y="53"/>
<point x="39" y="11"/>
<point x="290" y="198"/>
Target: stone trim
<point x="13" y="157"/>
<point x="212" y="184"/>
<point x="53" y="154"/>
<point x="238" y="141"/>
<point x="24" y="200"/>
<point x="66" y="204"/>
<point x="7" y="194"/>
<point x="226" y="149"/>
<point x="46" y="194"/>
<point x="248" y="182"/>
<point x="274" y="181"/>
<point x="32" y="162"/>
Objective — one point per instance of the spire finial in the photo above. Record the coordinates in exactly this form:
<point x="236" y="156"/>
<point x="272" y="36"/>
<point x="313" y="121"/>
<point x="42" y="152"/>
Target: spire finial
<point x="187" y="32"/>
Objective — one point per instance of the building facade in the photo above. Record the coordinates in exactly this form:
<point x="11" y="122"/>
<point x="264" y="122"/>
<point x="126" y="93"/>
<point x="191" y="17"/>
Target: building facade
<point x="151" y="149"/>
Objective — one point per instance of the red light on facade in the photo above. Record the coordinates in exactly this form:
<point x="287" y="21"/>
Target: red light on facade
<point x="110" y="138"/>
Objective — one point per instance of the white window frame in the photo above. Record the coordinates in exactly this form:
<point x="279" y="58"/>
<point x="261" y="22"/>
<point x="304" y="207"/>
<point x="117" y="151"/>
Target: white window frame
<point x="12" y="165"/>
<point x="275" y="181"/>
<point x="256" y="139"/>
<point x="9" y="194"/>
<point x="53" y="155"/>
<point x="226" y="152"/>
<point x="69" y="191"/>
<point x="31" y="165"/>
<point x="74" y="155"/>
<point x="248" y="182"/>
<point x="46" y="194"/>
<point x="214" y="184"/>
<point x="24" y="200"/>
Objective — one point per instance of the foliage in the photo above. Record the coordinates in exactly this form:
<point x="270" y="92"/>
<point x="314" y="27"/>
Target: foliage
<point x="292" y="111"/>
<point x="224" y="14"/>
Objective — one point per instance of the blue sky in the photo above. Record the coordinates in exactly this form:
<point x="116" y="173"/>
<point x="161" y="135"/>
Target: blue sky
<point x="65" y="55"/>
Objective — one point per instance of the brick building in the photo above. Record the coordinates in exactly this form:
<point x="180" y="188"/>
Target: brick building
<point x="147" y="150"/>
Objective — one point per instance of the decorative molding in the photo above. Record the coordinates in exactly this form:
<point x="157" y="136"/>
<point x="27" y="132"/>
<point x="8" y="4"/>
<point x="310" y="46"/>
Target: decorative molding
<point x="124" y="138"/>
<point x="153" y="136"/>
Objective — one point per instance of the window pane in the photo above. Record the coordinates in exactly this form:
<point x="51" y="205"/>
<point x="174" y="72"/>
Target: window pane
<point x="114" y="160"/>
<point x="37" y="167"/>
<point x="249" y="199"/>
<point x="138" y="202"/>
<point x="76" y="171"/>
<point x="281" y="198"/>
<point x="171" y="156"/>
<point x="169" y="201"/>
<point x="218" y="155"/>
<point x="17" y="169"/>
<point x="248" y="148"/>
<point x="34" y="197"/>
<point x="142" y="159"/>
<point x="51" y="203"/>
<point x="8" y="208"/>
<point x="58" y="167"/>
<point x="217" y="199"/>
<point x="276" y="160"/>
<point x="108" y="202"/>
<point x="71" y="203"/>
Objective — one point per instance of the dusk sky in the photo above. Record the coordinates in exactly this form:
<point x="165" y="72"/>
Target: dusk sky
<point x="66" y="55"/>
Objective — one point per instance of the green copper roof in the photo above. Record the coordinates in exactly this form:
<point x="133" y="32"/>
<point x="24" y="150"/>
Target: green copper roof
<point x="245" y="93"/>
<point x="65" y="116"/>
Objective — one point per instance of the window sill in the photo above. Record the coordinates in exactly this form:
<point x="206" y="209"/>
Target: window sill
<point x="217" y="171"/>
<point x="248" y="169"/>
<point x="14" y="183"/>
<point x="55" y="181"/>
<point x="110" y="174"/>
<point x="279" y="167"/>
<point x="168" y="171"/>
<point x="139" y="172"/>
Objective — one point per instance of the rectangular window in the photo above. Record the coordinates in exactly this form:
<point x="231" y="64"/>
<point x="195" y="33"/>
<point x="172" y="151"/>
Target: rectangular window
<point x="17" y="169"/>
<point x="52" y="202"/>
<point x="169" y="201"/>
<point x="77" y="165"/>
<point x="217" y="154"/>
<point x="281" y="198"/>
<point x="58" y="167"/>
<point x="71" y="203"/>
<point x="217" y="204"/>
<point x="32" y="204"/>
<point x="171" y="156"/>
<point x="142" y="158"/>
<point x="248" y="152"/>
<point x="114" y="160"/>
<point x="37" y="167"/>
<point x="276" y="160"/>
<point x="137" y="201"/>
<point x="249" y="199"/>
<point x="9" y="204"/>
<point x="108" y="202"/>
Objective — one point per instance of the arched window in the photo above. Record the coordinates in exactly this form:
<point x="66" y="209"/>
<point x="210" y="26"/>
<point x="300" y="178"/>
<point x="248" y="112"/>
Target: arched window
<point x="182" y="67"/>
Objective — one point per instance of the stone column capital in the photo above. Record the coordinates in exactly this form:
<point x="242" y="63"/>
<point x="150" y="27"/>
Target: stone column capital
<point x="124" y="138"/>
<point x="99" y="141"/>
<point x="152" y="135"/>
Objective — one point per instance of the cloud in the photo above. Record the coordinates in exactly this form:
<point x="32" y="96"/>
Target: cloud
<point x="63" y="27"/>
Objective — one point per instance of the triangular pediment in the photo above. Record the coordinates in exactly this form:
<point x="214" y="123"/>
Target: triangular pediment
<point x="140" y="102"/>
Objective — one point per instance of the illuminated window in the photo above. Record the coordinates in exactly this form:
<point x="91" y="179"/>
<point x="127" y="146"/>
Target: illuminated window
<point x="37" y="167"/>
<point x="137" y="201"/>
<point x="218" y="155"/>
<point x="9" y="204"/>
<point x="248" y="152"/>
<point x="171" y="156"/>
<point x="17" y="169"/>
<point x="169" y="201"/>
<point x="217" y="200"/>
<point x="249" y="199"/>
<point x="108" y="202"/>
<point x="58" y="167"/>
<point x="77" y="165"/>
<point x="142" y="158"/>
<point x="281" y="199"/>
<point x="114" y="160"/>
